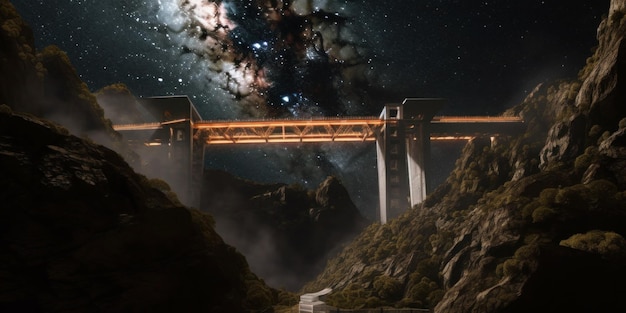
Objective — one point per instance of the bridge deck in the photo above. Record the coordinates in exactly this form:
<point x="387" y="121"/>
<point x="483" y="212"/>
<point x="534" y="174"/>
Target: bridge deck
<point x="331" y="129"/>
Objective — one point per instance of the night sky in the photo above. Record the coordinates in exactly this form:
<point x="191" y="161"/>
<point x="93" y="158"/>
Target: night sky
<point x="239" y="59"/>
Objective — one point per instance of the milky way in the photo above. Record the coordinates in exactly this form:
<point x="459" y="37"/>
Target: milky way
<point x="274" y="58"/>
<point x="239" y="59"/>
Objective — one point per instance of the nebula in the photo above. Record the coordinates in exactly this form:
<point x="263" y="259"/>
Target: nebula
<point x="276" y="58"/>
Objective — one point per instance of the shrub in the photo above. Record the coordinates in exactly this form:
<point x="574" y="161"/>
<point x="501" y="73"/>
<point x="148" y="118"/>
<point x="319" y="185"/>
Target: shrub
<point x="423" y="292"/>
<point x="605" y="135"/>
<point x="373" y="302"/>
<point x="527" y="210"/>
<point x="601" y="189"/>
<point x="609" y="244"/>
<point x="511" y="267"/>
<point x="258" y="295"/>
<point x="546" y="197"/>
<point x="434" y="297"/>
<point x="388" y="289"/>
<point x="526" y="252"/>
<point x="5" y="109"/>
<point x="595" y="132"/>
<point x="159" y="184"/>
<point x="428" y="268"/>
<point x="500" y="270"/>
<point x="543" y="214"/>
<point x="286" y="298"/>
<point x="352" y="297"/>
<point x="582" y="162"/>
<point x="573" y="197"/>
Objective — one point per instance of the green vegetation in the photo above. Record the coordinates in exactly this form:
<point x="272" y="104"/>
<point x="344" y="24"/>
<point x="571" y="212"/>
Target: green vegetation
<point x="165" y="188"/>
<point x="606" y="243"/>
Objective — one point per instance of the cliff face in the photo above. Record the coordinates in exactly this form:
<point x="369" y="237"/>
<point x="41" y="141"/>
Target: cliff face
<point x="534" y="223"/>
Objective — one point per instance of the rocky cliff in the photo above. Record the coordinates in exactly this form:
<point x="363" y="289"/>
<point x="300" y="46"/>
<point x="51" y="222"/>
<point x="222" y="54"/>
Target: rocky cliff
<point x="534" y="223"/>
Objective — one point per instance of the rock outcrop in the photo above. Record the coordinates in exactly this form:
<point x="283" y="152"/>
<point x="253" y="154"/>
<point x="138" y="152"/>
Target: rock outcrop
<point x="285" y="231"/>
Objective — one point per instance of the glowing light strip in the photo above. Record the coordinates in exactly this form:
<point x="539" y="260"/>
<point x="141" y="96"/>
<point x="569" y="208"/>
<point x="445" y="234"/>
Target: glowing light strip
<point x="288" y="123"/>
<point x="451" y="138"/>
<point x="286" y="140"/>
<point x="476" y="119"/>
<point x="144" y="126"/>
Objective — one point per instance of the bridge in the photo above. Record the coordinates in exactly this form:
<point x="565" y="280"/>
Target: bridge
<point x="402" y="133"/>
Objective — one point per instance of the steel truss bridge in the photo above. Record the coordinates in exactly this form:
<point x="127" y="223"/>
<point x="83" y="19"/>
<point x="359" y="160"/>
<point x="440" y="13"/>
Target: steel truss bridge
<point x="345" y="129"/>
<point x="402" y="134"/>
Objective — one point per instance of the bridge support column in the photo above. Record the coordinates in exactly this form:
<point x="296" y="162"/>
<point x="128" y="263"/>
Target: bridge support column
<point x="197" y="172"/>
<point x="392" y="164"/>
<point x="418" y="155"/>
<point x="382" y="180"/>
<point x="403" y="152"/>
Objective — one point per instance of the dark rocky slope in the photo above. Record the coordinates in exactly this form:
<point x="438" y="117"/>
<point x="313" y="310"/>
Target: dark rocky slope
<point x="81" y="232"/>
<point x="534" y="223"/>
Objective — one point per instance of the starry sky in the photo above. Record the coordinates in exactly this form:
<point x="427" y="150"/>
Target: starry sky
<point x="269" y="58"/>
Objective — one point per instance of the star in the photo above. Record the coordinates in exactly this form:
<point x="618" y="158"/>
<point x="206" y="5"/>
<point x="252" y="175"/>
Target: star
<point x="244" y="58"/>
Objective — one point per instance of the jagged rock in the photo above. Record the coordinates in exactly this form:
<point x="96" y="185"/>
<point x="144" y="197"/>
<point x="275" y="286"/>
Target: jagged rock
<point x="614" y="146"/>
<point x="612" y="165"/>
<point x="603" y="89"/>
<point x="282" y="195"/>
<point x="331" y="193"/>
<point x="565" y="141"/>
<point x="297" y="228"/>
<point x="334" y="206"/>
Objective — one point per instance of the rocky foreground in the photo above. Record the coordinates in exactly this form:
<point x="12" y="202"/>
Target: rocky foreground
<point x="80" y="231"/>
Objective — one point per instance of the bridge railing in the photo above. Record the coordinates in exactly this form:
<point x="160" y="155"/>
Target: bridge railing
<point x="328" y="127"/>
<point x="313" y="118"/>
<point x="137" y="126"/>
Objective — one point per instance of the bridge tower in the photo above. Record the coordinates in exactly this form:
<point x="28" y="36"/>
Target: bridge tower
<point x="403" y="152"/>
<point x="165" y="142"/>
